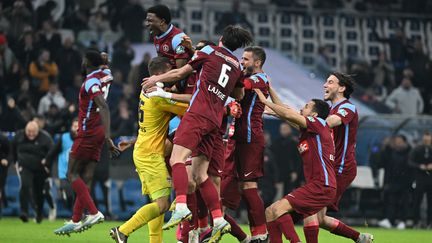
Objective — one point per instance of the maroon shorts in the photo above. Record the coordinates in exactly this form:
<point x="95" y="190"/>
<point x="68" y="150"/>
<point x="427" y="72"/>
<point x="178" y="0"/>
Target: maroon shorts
<point x="250" y="160"/>
<point x="230" y="192"/>
<point x="197" y="133"/>
<point x="343" y="181"/>
<point x="311" y="198"/>
<point x="229" y="163"/>
<point x="89" y="147"/>
<point x="217" y="160"/>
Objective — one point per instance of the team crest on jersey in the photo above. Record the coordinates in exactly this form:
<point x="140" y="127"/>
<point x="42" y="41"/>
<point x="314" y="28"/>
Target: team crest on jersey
<point x="342" y="112"/>
<point x="95" y="89"/>
<point x="303" y="147"/>
<point x="255" y="79"/>
<point x="311" y="119"/>
<point x="180" y="49"/>
<point x="165" y="48"/>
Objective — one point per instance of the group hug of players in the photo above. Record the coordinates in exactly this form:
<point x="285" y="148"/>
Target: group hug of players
<point x="183" y="117"/>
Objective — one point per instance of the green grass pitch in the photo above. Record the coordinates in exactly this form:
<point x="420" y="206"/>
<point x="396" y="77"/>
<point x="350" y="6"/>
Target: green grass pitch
<point x="12" y="230"/>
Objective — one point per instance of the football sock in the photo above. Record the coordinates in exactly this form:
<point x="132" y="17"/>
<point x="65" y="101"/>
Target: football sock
<point x="311" y="233"/>
<point x="155" y="229"/>
<point x="192" y="205"/>
<point x="78" y="211"/>
<point x="145" y="214"/>
<point x="83" y="194"/>
<point x="345" y="231"/>
<point x="180" y="182"/>
<point x="185" y="228"/>
<point x="255" y="208"/>
<point x="275" y="233"/>
<point x="236" y="231"/>
<point x="211" y="198"/>
<point x="286" y="226"/>
<point x="202" y="211"/>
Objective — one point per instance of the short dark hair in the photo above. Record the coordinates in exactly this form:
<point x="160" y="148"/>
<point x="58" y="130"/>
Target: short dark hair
<point x="346" y="81"/>
<point x="158" y="64"/>
<point x="321" y="107"/>
<point x="162" y="12"/>
<point x="206" y="43"/>
<point x="234" y="37"/>
<point x="94" y="58"/>
<point x="258" y="53"/>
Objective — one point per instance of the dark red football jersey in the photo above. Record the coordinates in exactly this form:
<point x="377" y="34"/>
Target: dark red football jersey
<point x="345" y="135"/>
<point x="169" y="45"/>
<point x="317" y="150"/>
<point x="218" y="73"/>
<point x="249" y="127"/>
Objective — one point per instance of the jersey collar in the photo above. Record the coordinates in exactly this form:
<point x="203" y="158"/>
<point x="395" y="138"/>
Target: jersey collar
<point x="333" y="106"/>
<point x="166" y="32"/>
<point x="227" y="49"/>
<point x="95" y="71"/>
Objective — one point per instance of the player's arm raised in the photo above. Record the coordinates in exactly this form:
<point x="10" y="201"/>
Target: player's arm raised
<point x="159" y="92"/>
<point x="171" y="76"/>
<point x="333" y="121"/>
<point x="106" y="121"/>
<point x="285" y="113"/>
<point x="274" y="97"/>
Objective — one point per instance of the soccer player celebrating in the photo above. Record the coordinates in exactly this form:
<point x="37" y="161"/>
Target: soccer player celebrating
<point x="166" y="37"/>
<point x="249" y="137"/>
<point x="94" y="129"/>
<point x="317" y="150"/>
<point x="148" y="155"/>
<point x="343" y="120"/>
<point x="219" y="75"/>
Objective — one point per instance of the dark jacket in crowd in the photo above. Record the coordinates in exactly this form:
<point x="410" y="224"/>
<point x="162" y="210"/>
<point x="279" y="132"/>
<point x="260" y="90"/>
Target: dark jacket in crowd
<point x="29" y="154"/>
<point x="4" y="147"/>
<point x="397" y="171"/>
<point x="421" y="155"/>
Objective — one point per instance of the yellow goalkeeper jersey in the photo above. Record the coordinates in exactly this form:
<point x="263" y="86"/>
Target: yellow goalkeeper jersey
<point x="154" y="115"/>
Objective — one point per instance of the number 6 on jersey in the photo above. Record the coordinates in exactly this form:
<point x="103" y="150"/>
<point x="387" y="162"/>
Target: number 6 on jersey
<point x="223" y="77"/>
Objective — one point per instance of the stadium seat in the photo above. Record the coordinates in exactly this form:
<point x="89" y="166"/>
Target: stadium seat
<point x="308" y="39"/>
<point x="329" y="35"/>
<point x="351" y="37"/>
<point x="286" y="34"/>
<point x="371" y="46"/>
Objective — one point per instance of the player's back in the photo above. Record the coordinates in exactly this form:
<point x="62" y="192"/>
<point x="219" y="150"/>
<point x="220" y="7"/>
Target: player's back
<point x="168" y="45"/>
<point x="219" y="73"/>
<point x="345" y="135"/>
<point x="153" y="119"/>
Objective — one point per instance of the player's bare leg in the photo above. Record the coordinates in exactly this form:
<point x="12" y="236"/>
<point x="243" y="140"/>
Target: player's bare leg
<point x="277" y="215"/>
<point x="255" y="208"/>
<point x="339" y="228"/>
<point x="178" y="158"/>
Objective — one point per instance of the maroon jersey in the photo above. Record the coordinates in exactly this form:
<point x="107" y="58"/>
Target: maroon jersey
<point x="187" y="87"/>
<point x="219" y="72"/>
<point x="317" y="150"/>
<point x="89" y="119"/>
<point x="345" y="135"/>
<point x="249" y="127"/>
<point x="169" y="45"/>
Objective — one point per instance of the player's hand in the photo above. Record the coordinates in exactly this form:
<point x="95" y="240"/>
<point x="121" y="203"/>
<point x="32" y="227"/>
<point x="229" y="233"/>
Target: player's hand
<point x="43" y="161"/>
<point x="158" y="92"/>
<point x="113" y="150"/>
<point x="149" y="82"/>
<point x="429" y="166"/>
<point x="423" y="167"/>
<point x="187" y="42"/>
<point x="123" y="145"/>
<point x="4" y="162"/>
<point x="261" y="96"/>
<point x="235" y="109"/>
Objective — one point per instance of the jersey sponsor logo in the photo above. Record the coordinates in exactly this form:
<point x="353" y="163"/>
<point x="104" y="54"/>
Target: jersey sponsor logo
<point x="311" y="119"/>
<point x="303" y="147"/>
<point x="216" y="91"/>
<point x="228" y="59"/>
<point x="342" y="112"/>
<point x="95" y="89"/>
<point x="165" y="47"/>
<point x="180" y="49"/>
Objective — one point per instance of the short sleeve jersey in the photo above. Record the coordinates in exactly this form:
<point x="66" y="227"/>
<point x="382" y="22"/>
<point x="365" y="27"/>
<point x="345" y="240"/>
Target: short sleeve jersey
<point x="218" y="74"/>
<point x="317" y="150"/>
<point x="88" y="114"/>
<point x="154" y="115"/>
<point x="249" y="127"/>
<point x="345" y="135"/>
<point x="169" y="45"/>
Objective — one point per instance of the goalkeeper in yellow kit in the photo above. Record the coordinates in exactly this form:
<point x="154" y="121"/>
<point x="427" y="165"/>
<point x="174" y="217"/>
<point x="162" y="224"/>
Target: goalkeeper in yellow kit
<point x="148" y="155"/>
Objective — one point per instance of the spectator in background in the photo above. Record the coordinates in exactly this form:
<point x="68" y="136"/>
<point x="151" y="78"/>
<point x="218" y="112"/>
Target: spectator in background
<point x="384" y="72"/>
<point x="25" y="100"/>
<point x="44" y="13"/>
<point x="69" y="62"/>
<point x="54" y="96"/>
<point x="49" y="38"/>
<point x="4" y="166"/>
<point x="43" y="71"/>
<point x="26" y="50"/>
<point x="122" y="56"/>
<point x="421" y="161"/>
<point x="72" y="91"/>
<point x="288" y="160"/>
<point x="138" y="72"/>
<point x="101" y="178"/>
<point x="131" y="20"/>
<point x="55" y="121"/>
<point x="122" y="122"/>
<point x="397" y="182"/>
<point x="116" y="89"/>
<point x="20" y="18"/>
<point x="77" y="21"/>
<point x="4" y="22"/>
<point x="323" y="65"/>
<point x="9" y="68"/>
<point x="10" y="117"/>
<point x="98" y="23"/>
<point x="267" y="184"/>
<point x="418" y="63"/>
<point x="406" y="99"/>
<point x="29" y="149"/>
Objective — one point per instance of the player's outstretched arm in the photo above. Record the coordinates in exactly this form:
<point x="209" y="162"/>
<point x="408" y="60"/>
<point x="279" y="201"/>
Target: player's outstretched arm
<point x="159" y="92"/>
<point x="105" y="117"/>
<point x="283" y="112"/>
<point x="333" y="121"/>
<point x="171" y="76"/>
<point x="274" y="96"/>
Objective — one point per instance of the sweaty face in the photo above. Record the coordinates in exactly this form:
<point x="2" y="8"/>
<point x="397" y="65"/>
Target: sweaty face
<point x="331" y="87"/>
<point x="247" y="62"/>
<point x="307" y="110"/>
<point x="153" y="23"/>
